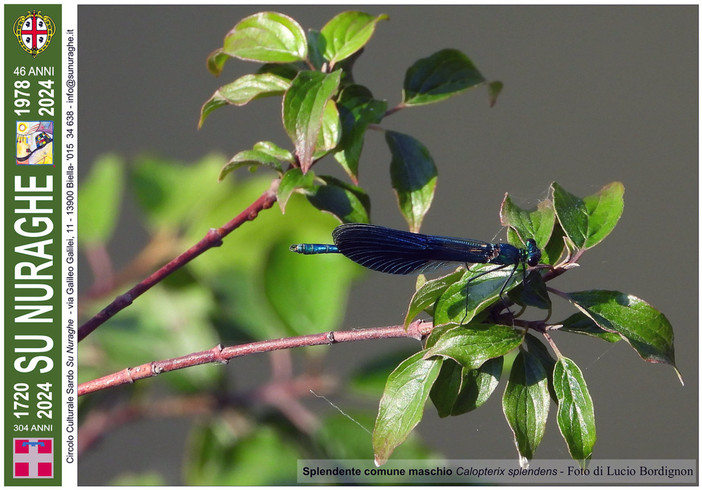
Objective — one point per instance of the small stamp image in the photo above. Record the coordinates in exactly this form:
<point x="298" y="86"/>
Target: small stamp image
<point x="35" y="143"/>
<point x="33" y="458"/>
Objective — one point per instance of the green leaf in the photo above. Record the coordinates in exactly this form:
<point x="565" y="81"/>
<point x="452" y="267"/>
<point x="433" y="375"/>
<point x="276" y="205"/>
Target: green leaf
<point x="526" y="403"/>
<point x="304" y="292"/>
<point x="100" y="196"/>
<point x="462" y="300"/>
<point x="572" y="215"/>
<point x="347" y="202"/>
<point x="292" y="180"/>
<point x="243" y="90"/>
<point x="646" y="329"/>
<point x="357" y="109"/>
<point x="264" y="153"/>
<point x="436" y="334"/>
<point x="458" y="390"/>
<point x="537" y="349"/>
<point x="413" y="175"/>
<point x="330" y="131"/>
<point x="216" y="60"/>
<point x="553" y="250"/>
<point x="315" y="47"/>
<point x="472" y="345"/>
<point x="588" y="221"/>
<point x="266" y="37"/>
<point x="443" y="74"/>
<point x="304" y="107"/>
<point x="478" y="385"/>
<point x="275" y="151"/>
<point x="426" y="295"/>
<point x="402" y="404"/>
<point x="583" y="324"/>
<point x="532" y="292"/>
<point x="346" y="33"/>
<point x="537" y="223"/>
<point x="446" y="387"/>
<point x="287" y="71"/>
<point x="494" y="90"/>
<point x="576" y="413"/>
<point x="251" y="158"/>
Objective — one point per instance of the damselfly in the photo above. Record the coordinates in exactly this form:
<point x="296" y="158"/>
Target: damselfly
<point x="401" y="252"/>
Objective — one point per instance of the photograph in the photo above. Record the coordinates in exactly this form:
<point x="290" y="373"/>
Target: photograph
<point x="367" y="244"/>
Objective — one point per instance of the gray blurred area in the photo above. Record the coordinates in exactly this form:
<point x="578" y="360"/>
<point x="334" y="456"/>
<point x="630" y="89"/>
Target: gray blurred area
<point x="592" y="94"/>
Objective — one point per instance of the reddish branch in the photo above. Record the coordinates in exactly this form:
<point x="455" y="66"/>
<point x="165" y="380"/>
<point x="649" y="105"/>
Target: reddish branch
<point x="218" y="354"/>
<point x="213" y="238"/>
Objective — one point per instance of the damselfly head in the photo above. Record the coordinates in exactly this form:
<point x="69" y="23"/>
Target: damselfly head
<point x="533" y="252"/>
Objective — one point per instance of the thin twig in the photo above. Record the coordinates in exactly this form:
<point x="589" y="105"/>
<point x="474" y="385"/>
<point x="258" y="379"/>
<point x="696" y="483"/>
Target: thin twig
<point x="160" y="247"/>
<point x="218" y="354"/>
<point x="552" y="344"/>
<point x="395" y="109"/>
<point x="101" y="265"/>
<point x="213" y="238"/>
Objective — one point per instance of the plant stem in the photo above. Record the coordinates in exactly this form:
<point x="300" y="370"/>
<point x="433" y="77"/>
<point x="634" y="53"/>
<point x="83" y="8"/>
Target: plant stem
<point x="217" y="354"/>
<point x="213" y="238"/>
<point x="552" y="344"/>
<point x="393" y="110"/>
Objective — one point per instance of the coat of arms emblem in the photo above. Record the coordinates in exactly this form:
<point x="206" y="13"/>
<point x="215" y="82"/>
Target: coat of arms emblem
<point x="34" y="32"/>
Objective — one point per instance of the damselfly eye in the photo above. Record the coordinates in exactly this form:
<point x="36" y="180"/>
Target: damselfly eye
<point x="533" y="252"/>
